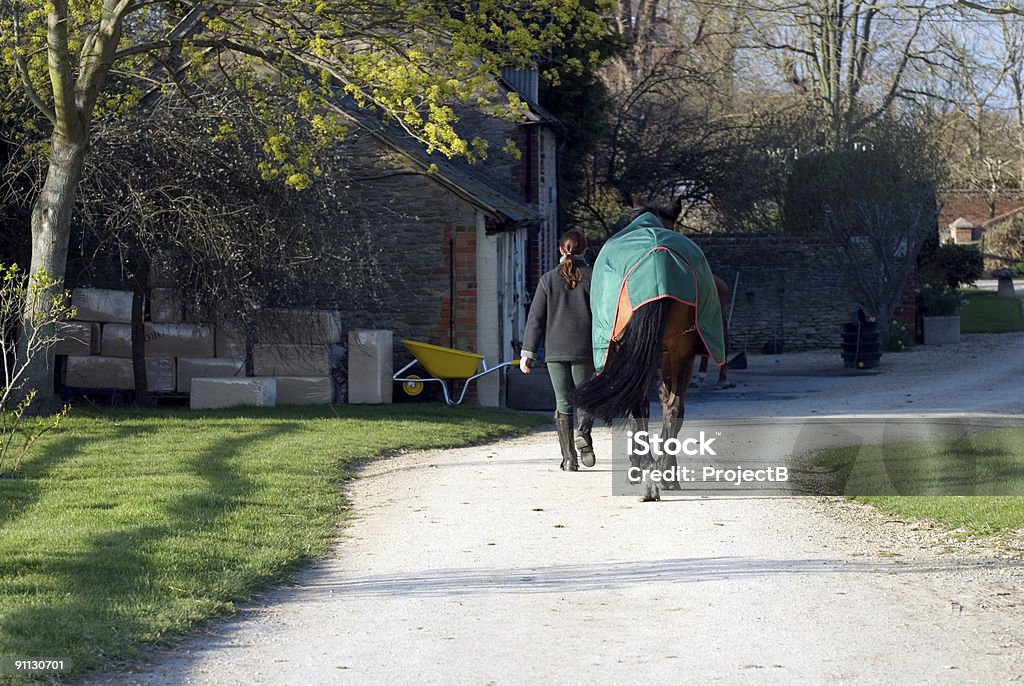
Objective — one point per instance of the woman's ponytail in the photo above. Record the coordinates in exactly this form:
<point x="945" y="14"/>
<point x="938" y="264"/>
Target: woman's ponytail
<point x="571" y="243"/>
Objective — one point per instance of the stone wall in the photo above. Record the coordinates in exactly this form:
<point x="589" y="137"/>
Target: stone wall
<point x="422" y="229"/>
<point x="788" y="288"/>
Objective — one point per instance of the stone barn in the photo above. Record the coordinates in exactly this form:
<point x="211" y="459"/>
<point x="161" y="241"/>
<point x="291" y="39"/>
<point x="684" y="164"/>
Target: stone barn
<point x="465" y="243"/>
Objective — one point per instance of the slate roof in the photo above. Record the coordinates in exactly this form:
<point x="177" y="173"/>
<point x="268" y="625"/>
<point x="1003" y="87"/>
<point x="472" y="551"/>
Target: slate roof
<point x="455" y="175"/>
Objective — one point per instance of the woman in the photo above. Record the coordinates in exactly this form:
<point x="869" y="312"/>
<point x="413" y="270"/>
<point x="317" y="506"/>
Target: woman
<point x="560" y="321"/>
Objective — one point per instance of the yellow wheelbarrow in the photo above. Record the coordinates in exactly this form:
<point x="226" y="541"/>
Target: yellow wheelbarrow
<point x="444" y="365"/>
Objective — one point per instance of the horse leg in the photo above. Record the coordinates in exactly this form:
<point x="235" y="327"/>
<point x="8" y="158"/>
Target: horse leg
<point x="723" y="373"/>
<point x="647" y="463"/>
<point x="639" y="420"/>
<point x="675" y="378"/>
<point x="723" y="297"/>
<point x="636" y="421"/>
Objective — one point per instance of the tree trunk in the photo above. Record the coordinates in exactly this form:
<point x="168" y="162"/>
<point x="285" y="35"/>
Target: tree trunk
<point x="1018" y="108"/>
<point x="140" y="285"/>
<point x="51" y="233"/>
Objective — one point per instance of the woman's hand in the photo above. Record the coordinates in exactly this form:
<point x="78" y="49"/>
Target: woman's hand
<point x="524" y="365"/>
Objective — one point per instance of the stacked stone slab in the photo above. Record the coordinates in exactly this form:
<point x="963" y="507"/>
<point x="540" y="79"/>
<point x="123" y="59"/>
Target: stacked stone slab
<point x="209" y="394"/>
<point x="304" y="390"/>
<point x="161" y="340"/>
<point x="78" y="338"/>
<point x="82" y="363"/>
<point x="295" y="349"/>
<point x="205" y="361"/>
<point x="117" y="373"/>
<point x="190" y="368"/>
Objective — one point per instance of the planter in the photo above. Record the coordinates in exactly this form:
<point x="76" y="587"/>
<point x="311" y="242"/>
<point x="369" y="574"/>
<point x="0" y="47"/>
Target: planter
<point x="1005" y="288"/>
<point x="941" y="330"/>
<point x="862" y="345"/>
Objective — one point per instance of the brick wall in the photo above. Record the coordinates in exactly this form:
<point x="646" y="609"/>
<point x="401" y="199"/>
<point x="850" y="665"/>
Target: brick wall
<point x="464" y="254"/>
<point x="537" y="178"/>
<point x="971" y="205"/>
<point x="547" y="200"/>
<point x="419" y="236"/>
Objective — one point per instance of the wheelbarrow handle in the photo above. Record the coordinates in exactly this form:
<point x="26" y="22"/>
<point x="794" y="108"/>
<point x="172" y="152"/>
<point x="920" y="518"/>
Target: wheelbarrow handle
<point x="403" y="370"/>
<point x="400" y="376"/>
<point x="487" y="370"/>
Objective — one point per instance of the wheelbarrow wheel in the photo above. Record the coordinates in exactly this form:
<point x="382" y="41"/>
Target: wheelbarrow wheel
<point x="415" y="391"/>
<point x="413" y="388"/>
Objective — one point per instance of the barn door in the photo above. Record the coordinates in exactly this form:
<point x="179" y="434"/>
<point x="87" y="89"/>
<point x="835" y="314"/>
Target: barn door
<point x="511" y="291"/>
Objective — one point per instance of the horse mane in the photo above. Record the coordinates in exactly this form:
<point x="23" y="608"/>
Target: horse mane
<point x="631" y="367"/>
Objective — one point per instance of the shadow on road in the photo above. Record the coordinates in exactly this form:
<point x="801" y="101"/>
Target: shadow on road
<point x="566" y="578"/>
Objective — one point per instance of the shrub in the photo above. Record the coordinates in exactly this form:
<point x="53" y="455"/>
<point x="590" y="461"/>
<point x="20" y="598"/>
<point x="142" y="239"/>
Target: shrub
<point x="20" y="342"/>
<point x="939" y="300"/>
<point x="896" y="337"/>
<point x="950" y="264"/>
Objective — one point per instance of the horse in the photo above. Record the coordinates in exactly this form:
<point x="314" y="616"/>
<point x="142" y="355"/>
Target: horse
<point x="723" y="290"/>
<point x="655" y="307"/>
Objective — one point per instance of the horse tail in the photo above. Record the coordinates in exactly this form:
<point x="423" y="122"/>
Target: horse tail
<point x="631" y="367"/>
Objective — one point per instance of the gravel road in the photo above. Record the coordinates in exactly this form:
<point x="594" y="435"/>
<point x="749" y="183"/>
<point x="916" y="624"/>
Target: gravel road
<point x="488" y="565"/>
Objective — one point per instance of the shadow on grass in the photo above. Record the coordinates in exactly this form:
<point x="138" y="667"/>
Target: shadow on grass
<point x="959" y="468"/>
<point x="116" y="591"/>
<point x="404" y="411"/>
<point x="25" y="487"/>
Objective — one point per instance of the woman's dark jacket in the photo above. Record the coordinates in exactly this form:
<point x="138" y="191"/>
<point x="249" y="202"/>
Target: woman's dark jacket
<point x="559" y="318"/>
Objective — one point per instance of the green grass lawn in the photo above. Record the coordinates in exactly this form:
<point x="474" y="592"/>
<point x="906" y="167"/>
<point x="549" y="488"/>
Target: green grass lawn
<point x="126" y="528"/>
<point x="975" y="482"/>
<point x="986" y="312"/>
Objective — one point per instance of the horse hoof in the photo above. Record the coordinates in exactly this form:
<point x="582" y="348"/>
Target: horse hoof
<point x="650" y="498"/>
<point x="671" y="486"/>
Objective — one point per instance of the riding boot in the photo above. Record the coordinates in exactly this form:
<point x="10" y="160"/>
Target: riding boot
<point x="563" y="422"/>
<point x="584" y="442"/>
